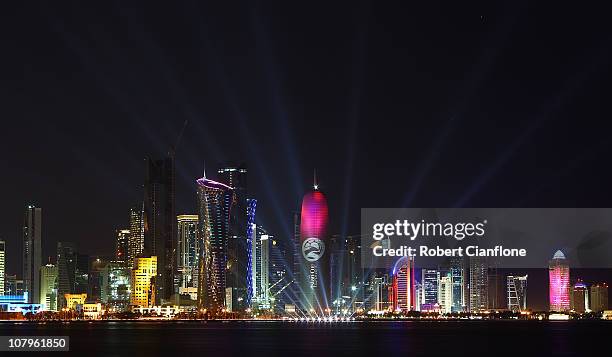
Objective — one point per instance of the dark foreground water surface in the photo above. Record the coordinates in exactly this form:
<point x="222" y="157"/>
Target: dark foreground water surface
<point x="378" y="339"/>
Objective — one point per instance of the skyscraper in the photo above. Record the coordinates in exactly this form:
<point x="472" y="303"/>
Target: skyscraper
<point x="119" y="286"/>
<point x="558" y="282"/>
<point x="599" y="297"/>
<point x="235" y="176"/>
<point x="457" y="272"/>
<point x="516" y="287"/>
<point x="279" y="280"/>
<point x="187" y="249"/>
<point x="346" y="274"/>
<point x="429" y="281"/>
<point x="160" y="222"/>
<point x="261" y="269"/>
<point x="2" y="266"/>
<point x="48" y="287"/>
<point x="122" y="245"/>
<point x="215" y="204"/>
<point x="144" y="277"/>
<point x="65" y="271"/>
<point x="403" y="286"/>
<point x="445" y="294"/>
<point x="478" y="284"/>
<point x="313" y="235"/>
<point x="136" y="238"/>
<point x="579" y="298"/>
<point x="251" y="236"/>
<point x="32" y="252"/>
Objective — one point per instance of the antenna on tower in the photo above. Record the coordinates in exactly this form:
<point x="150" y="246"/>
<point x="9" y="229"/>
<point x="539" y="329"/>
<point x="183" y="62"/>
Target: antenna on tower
<point x="315" y="185"/>
<point x="204" y="170"/>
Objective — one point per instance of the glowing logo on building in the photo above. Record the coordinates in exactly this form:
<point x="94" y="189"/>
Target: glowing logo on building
<point x="313" y="249"/>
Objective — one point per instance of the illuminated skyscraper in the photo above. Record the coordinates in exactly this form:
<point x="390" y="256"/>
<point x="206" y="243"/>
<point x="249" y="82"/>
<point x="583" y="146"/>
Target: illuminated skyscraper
<point x="160" y="222"/>
<point x="136" y="238"/>
<point x="445" y="294"/>
<point x="32" y="252"/>
<point x="215" y="204"/>
<point x="457" y="272"/>
<point x="251" y="239"/>
<point x="118" y="294"/>
<point x="429" y="291"/>
<point x="260" y="261"/>
<point x="346" y="274"/>
<point x="66" y="261"/>
<point x="235" y="176"/>
<point x="579" y="298"/>
<point x="599" y="297"/>
<point x="122" y="245"/>
<point x="48" y="287"/>
<point x="2" y="266"/>
<point x="559" y="285"/>
<point x="516" y="287"/>
<point x="144" y="276"/>
<point x="97" y="287"/>
<point x="479" y="285"/>
<point x="403" y="287"/>
<point x="187" y="248"/>
<point x="313" y="235"/>
<point x="279" y="280"/>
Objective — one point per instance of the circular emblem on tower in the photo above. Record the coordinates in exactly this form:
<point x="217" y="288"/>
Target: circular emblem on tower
<point x="313" y="249"/>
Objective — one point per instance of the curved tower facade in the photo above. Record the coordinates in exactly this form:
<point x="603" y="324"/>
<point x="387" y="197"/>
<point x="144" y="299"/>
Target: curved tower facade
<point x="559" y="283"/>
<point x="313" y="245"/>
<point x="215" y="203"/>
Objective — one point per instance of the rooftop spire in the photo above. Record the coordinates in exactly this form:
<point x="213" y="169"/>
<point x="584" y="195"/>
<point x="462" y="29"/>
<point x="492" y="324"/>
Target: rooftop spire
<point x="315" y="185"/>
<point x="204" y="176"/>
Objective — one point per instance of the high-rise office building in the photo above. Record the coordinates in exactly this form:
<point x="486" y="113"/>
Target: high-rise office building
<point x="377" y="295"/>
<point x="160" y="222"/>
<point x="97" y="287"/>
<point x="260" y="261"/>
<point x="12" y="285"/>
<point x="48" y="287"/>
<point x="429" y="290"/>
<point x="2" y="266"/>
<point x="496" y="290"/>
<point x="313" y="235"/>
<point x="215" y="201"/>
<point x="187" y="249"/>
<point x="558" y="282"/>
<point x="445" y="293"/>
<point x="346" y="275"/>
<point x="119" y="286"/>
<point x="144" y="279"/>
<point x="279" y="280"/>
<point x="579" y="298"/>
<point x="403" y="286"/>
<point x="251" y="236"/>
<point x="32" y="252"/>
<point x="122" y="245"/>
<point x="479" y="284"/>
<point x="235" y="176"/>
<point x="516" y="287"/>
<point x="599" y="297"/>
<point x="66" y="259"/>
<point x="298" y="268"/>
<point x="457" y="272"/>
<point x="136" y="238"/>
<point x="81" y="273"/>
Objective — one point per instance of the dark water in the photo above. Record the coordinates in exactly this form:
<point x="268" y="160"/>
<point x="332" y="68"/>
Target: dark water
<point x="378" y="339"/>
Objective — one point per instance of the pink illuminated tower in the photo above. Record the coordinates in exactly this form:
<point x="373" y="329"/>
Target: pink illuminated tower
<point x="313" y="239"/>
<point x="559" y="282"/>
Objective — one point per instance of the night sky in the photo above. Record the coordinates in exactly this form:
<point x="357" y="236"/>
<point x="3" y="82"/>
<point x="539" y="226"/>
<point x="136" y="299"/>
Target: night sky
<point x="414" y="104"/>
